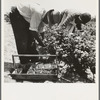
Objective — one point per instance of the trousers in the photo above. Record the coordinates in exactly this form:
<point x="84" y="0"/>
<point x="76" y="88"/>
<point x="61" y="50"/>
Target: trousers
<point x="22" y="36"/>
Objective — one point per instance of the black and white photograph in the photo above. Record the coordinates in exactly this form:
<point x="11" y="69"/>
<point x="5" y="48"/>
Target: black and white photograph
<point x="49" y="49"/>
<point x="49" y="41"/>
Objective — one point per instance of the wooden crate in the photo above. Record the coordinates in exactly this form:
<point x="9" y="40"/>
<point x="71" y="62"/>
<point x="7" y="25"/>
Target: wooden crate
<point x="33" y="77"/>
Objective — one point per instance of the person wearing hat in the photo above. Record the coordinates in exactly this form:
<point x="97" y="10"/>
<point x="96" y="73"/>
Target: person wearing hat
<point x="51" y="18"/>
<point x="28" y="20"/>
<point x="72" y="19"/>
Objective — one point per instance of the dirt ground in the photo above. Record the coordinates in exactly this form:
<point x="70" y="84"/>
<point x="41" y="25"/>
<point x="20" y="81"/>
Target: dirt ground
<point x="9" y="43"/>
<point x="9" y="50"/>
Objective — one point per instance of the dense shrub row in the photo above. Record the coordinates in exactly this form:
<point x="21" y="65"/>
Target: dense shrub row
<point x="77" y="50"/>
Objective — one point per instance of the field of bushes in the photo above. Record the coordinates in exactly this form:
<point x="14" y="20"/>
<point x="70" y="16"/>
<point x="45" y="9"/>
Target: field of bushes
<point x="76" y="52"/>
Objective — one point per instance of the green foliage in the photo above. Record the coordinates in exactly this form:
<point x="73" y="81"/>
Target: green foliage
<point x="77" y="50"/>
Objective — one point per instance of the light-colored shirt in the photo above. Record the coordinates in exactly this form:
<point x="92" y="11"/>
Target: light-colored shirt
<point x="68" y="19"/>
<point x="32" y="13"/>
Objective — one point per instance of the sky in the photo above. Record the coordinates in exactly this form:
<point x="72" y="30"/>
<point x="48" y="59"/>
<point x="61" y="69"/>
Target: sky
<point x="77" y="5"/>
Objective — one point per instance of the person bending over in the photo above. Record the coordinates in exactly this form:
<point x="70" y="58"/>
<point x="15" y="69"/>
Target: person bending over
<point x="28" y="21"/>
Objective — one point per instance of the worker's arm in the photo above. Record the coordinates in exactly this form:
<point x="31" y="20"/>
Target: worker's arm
<point x="65" y="15"/>
<point x="62" y="20"/>
<point x="35" y="35"/>
<point x="68" y="16"/>
<point x="42" y="35"/>
<point x="35" y="22"/>
<point x="49" y="22"/>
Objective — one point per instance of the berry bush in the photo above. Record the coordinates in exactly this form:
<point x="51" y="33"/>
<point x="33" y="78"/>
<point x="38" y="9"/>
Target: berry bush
<point x="76" y="50"/>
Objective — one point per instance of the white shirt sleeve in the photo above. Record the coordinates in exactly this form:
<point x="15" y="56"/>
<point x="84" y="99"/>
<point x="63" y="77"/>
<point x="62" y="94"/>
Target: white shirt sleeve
<point x="35" y="21"/>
